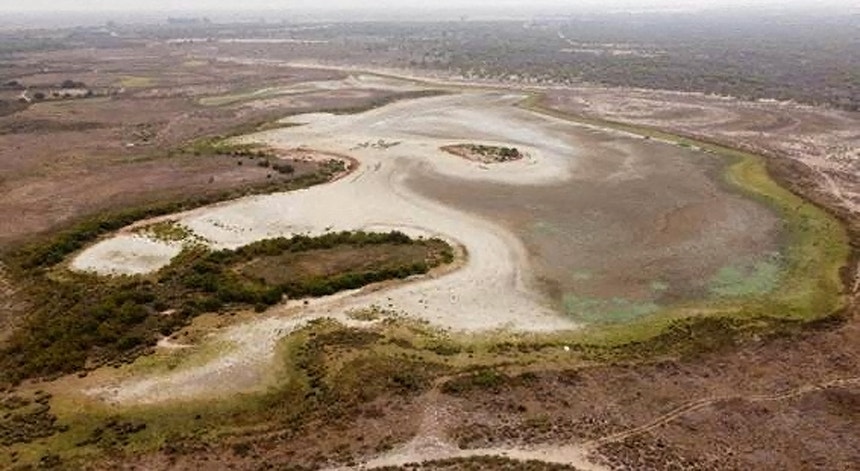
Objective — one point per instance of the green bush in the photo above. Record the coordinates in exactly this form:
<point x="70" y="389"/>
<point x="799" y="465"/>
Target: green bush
<point x="83" y="319"/>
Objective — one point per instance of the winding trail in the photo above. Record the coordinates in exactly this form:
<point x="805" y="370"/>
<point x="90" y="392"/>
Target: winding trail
<point x="431" y="444"/>
<point x="709" y="401"/>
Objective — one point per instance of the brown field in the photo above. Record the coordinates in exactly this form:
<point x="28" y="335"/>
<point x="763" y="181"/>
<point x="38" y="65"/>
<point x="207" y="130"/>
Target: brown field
<point x="290" y="267"/>
<point x="787" y="401"/>
<point x="752" y="408"/>
<point x="63" y="159"/>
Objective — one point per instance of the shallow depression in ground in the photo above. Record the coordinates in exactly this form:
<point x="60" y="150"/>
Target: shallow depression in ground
<point x="591" y="224"/>
<point x="640" y="225"/>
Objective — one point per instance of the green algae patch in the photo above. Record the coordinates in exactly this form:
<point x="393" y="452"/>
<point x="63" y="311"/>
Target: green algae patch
<point x="605" y="311"/>
<point x="801" y="283"/>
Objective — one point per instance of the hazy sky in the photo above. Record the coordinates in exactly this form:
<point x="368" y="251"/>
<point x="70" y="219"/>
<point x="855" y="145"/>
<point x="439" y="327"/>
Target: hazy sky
<point x="305" y="5"/>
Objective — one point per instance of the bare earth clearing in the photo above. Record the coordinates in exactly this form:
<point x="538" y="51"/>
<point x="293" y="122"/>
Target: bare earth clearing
<point x="827" y="141"/>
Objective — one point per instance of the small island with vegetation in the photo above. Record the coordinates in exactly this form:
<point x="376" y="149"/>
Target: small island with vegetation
<point x="484" y="154"/>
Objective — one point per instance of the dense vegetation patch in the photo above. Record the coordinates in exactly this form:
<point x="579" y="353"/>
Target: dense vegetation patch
<point x="83" y="320"/>
<point x="485" y="154"/>
<point x="218" y="145"/>
<point x="333" y="378"/>
<point x="746" y="56"/>
<point x="264" y="156"/>
<point x="24" y="419"/>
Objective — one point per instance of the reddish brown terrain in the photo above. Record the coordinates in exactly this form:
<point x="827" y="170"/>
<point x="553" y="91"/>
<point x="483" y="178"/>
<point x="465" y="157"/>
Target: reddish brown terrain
<point x="702" y="395"/>
<point x="65" y="158"/>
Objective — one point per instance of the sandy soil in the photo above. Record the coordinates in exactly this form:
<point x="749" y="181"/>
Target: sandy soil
<point x="827" y="141"/>
<point x="127" y="254"/>
<point x="496" y="285"/>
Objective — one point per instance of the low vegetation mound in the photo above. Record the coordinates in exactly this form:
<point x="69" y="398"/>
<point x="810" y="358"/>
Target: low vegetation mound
<point x="485" y="154"/>
<point x="82" y="320"/>
<point x="25" y="419"/>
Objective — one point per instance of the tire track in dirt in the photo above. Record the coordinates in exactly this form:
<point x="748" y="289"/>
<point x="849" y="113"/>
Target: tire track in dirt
<point x="432" y="444"/>
<point x="709" y="401"/>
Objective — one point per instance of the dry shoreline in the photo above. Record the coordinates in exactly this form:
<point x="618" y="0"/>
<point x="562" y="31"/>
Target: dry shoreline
<point x="496" y="285"/>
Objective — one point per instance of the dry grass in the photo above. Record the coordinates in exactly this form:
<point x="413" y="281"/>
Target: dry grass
<point x="292" y="267"/>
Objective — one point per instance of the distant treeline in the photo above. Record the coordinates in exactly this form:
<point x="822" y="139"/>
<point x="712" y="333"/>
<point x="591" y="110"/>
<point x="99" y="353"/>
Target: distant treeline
<point x="808" y="59"/>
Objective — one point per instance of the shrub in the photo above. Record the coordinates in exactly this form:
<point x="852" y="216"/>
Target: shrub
<point x="284" y="168"/>
<point x="83" y="319"/>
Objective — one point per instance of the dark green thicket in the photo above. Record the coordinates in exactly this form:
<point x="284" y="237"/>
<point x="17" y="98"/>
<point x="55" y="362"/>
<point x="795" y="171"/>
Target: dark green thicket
<point x="502" y="153"/>
<point x="82" y="320"/>
<point x="362" y="378"/>
<point x="483" y="380"/>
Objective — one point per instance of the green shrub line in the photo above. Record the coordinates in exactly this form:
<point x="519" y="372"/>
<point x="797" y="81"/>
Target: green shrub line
<point x="375" y="103"/>
<point x="82" y="320"/>
<point x="221" y="145"/>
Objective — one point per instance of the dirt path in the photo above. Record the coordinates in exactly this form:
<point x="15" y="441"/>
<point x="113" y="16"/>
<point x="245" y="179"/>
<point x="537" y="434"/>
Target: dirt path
<point x="708" y="401"/>
<point x="431" y="443"/>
